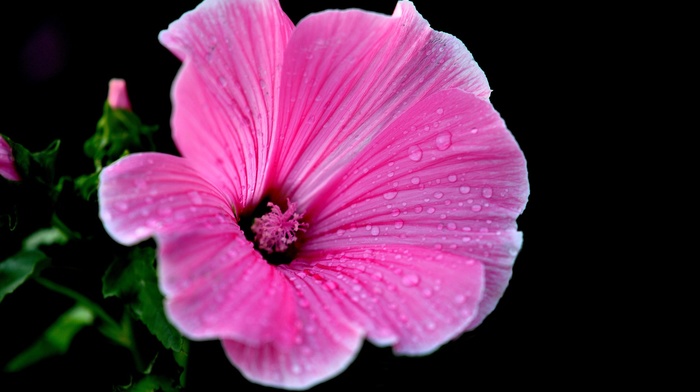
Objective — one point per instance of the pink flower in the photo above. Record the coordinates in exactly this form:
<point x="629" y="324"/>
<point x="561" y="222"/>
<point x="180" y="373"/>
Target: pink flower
<point x="7" y="161"/>
<point x="341" y="180"/>
<point x="117" y="96"/>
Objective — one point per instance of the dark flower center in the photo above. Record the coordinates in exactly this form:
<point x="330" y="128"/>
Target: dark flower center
<point x="274" y="232"/>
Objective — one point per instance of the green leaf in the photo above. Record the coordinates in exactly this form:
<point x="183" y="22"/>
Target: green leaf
<point x="151" y="383"/>
<point x="47" y="236"/>
<point x="118" y="133"/>
<point x="87" y="185"/>
<point x="135" y="282"/>
<point x="39" y="166"/>
<point x="15" y="270"/>
<point x="55" y="340"/>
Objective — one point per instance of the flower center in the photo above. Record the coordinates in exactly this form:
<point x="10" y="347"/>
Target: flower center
<point x="274" y="232"/>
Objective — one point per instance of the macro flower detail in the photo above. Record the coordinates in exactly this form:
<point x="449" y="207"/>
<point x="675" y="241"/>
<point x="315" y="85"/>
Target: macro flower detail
<point x="343" y="179"/>
<point x="7" y="161"/>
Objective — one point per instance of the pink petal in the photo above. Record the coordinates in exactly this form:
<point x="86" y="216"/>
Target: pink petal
<point x="446" y="175"/>
<point x="324" y="345"/>
<point x="412" y="298"/>
<point x="145" y="194"/>
<point x="219" y="287"/>
<point x="225" y="96"/>
<point x="347" y="75"/>
<point x="7" y="161"/>
<point x="117" y="96"/>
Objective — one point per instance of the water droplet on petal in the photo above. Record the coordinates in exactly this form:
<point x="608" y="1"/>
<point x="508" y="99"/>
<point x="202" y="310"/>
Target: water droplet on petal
<point x="443" y="140"/>
<point x="331" y="285"/>
<point x="440" y="110"/>
<point x="195" y="197"/>
<point x="451" y="178"/>
<point x="390" y="195"/>
<point x="415" y="153"/>
<point x="375" y="230"/>
<point x="415" y="180"/>
<point x="438" y="195"/>
<point x="398" y="224"/>
<point x="476" y="208"/>
<point x="464" y="189"/>
<point x="410" y="280"/>
<point x="487" y="192"/>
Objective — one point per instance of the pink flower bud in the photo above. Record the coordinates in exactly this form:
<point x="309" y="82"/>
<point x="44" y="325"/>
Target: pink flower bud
<point x="7" y="161"/>
<point x="118" y="98"/>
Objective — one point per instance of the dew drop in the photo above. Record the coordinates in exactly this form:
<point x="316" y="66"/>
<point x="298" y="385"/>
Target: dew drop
<point x="440" y="110"/>
<point x="431" y="210"/>
<point x="395" y="212"/>
<point x="390" y="195"/>
<point x="443" y="141"/>
<point x="476" y="208"/>
<point x="451" y="178"/>
<point x="398" y="224"/>
<point x="487" y="192"/>
<point x="375" y="230"/>
<point x="331" y="285"/>
<point x="415" y="180"/>
<point x="410" y="280"/>
<point x="415" y="153"/>
<point x="340" y="232"/>
<point x="438" y="195"/>
<point x="418" y="209"/>
<point x="195" y="197"/>
<point x="464" y="189"/>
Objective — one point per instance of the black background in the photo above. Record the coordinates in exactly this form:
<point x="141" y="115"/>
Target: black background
<point x="549" y="329"/>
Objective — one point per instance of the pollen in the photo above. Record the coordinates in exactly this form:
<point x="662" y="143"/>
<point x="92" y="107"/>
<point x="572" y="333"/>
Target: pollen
<point x="276" y="230"/>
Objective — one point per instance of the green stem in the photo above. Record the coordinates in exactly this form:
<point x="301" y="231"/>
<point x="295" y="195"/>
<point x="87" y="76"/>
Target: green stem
<point x="83" y="300"/>
<point x="122" y="334"/>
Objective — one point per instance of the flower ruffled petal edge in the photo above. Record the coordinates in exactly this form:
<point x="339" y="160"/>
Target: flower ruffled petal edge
<point x="347" y="75"/>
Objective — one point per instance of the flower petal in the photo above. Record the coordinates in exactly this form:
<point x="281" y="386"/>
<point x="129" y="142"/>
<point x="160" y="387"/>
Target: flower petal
<point x="446" y="175"/>
<point x="145" y="194"/>
<point x="347" y="75"/>
<point x="410" y="297"/>
<point x="219" y="287"/>
<point x="7" y="161"/>
<point x="225" y="95"/>
<point x="324" y="345"/>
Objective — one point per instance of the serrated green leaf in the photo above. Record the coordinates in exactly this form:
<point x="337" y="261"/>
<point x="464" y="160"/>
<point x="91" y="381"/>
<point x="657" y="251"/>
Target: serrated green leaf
<point x="55" y="340"/>
<point x="118" y="133"/>
<point x="39" y="166"/>
<point x="135" y="282"/>
<point x="16" y="269"/>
